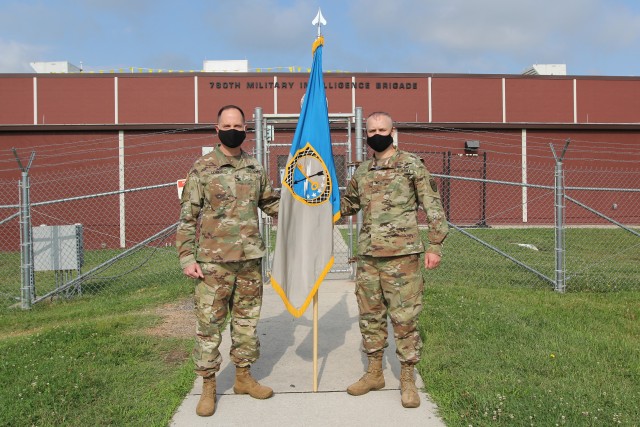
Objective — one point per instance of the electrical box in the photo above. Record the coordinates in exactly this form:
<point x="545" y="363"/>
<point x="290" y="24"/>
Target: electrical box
<point x="57" y="247"/>
<point x="471" y="145"/>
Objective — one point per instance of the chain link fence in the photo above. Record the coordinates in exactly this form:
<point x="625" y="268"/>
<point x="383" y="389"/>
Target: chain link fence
<point x="602" y="234"/>
<point x="9" y="243"/>
<point x="504" y="224"/>
<point x="91" y="234"/>
<point x="88" y="236"/>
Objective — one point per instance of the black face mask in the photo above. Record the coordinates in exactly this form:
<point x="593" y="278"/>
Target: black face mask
<point x="379" y="143"/>
<point x="232" y="138"/>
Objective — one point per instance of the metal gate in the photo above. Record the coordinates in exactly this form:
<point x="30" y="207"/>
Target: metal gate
<point x="274" y="133"/>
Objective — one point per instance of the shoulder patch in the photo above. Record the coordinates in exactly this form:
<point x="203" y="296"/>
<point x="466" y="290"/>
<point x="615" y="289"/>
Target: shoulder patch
<point x="433" y="184"/>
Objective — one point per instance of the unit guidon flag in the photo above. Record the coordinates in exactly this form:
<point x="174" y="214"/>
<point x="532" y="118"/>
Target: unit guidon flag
<point x="310" y="201"/>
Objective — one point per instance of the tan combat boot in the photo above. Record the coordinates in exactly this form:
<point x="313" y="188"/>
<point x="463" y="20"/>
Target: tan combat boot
<point x="410" y="397"/>
<point x="207" y="404"/>
<point x="246" y="384"/>
<point x="371" y="380"/>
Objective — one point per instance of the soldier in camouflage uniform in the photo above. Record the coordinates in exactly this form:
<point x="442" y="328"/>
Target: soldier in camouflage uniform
<point x="388" y="190"/>
<point x="222" y="194"/>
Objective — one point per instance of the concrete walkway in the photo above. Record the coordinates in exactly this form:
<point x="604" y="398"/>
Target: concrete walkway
<point x="286" y="365"/>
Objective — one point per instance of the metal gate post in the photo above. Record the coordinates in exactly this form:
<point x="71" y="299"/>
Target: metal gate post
<point x="560" y="285"/>
<point x="260" y="156"/>
<point x="359" y="159"/>
<point x="27" y="285"/>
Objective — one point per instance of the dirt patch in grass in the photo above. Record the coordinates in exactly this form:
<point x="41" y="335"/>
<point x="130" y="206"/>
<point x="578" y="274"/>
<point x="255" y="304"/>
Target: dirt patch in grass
<point x="175" y="357"/>
<point x="178" y="320"/>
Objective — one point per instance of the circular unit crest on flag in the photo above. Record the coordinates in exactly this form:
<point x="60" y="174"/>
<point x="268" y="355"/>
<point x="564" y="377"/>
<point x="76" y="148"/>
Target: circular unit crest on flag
<point x="307" y="177"/>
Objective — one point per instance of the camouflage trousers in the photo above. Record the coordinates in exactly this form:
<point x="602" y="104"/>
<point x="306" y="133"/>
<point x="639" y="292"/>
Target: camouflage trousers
<point x="235" y="288"/>
<point x="393" y="286"/>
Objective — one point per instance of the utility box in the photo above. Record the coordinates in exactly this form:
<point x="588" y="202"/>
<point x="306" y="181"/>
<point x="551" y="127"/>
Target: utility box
<point x="471" y="145"/>
<point x="57" y="247"/>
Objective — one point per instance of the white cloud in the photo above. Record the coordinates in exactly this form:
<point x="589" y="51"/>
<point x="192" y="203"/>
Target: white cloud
<point x="463" y="25"/>
<point x="466" y="34"/>
<point x="16" y="56"/>
<point x="492" y="36"/>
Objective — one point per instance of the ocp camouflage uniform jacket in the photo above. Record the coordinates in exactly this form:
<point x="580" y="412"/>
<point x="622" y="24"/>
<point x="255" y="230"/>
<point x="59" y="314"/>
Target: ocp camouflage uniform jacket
<point x="389" y="192"/>
<point x="224" y="193"/>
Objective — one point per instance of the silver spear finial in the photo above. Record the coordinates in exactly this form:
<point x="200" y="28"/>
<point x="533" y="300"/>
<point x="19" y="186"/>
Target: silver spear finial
<point x="318" y="21"/>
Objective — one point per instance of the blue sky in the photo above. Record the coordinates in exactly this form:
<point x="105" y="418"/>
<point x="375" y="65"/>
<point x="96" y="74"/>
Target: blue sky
<point x="592" y="37"/>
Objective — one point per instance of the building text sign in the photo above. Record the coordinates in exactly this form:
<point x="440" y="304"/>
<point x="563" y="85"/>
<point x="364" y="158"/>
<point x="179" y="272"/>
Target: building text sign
<point x="253" y="85"/>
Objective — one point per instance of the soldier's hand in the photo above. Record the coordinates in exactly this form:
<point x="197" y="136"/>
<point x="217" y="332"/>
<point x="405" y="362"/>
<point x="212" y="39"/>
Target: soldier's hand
<point x="431" y="261"/>
<point x="193" y="271"/>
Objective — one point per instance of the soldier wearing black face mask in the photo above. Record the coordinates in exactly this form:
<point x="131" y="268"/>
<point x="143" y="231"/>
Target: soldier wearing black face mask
<point x="232" y="138"/>
<point x="388" y="189"/>
<point x="223" y="191"/>
<point x="379" y="143"/>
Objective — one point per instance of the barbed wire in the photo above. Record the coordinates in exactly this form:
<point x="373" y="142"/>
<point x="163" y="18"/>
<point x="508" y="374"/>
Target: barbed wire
<point x="529" y="149"/>
<point x="530" y="138"/>
<point x="112" y="138"/>
<point x="500" y="139"/>
<point x="113" y="157"/>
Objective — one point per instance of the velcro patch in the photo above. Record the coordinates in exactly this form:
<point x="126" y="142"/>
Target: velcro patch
<point x="434" y="185"/>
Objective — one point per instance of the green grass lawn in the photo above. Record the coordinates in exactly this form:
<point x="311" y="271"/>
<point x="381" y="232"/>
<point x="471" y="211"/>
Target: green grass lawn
<point x="503" y="355"/>
<point x="501" y="348"/>
<point x="89" y="361"/>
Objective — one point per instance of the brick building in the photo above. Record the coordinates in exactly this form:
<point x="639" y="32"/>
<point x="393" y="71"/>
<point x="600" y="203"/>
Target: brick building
<point x="155" y="121"/>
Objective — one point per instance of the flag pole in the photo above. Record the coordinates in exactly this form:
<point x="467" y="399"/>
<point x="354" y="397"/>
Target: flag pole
<point x="315" y="342"/>
<point x="317" y="21"/>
